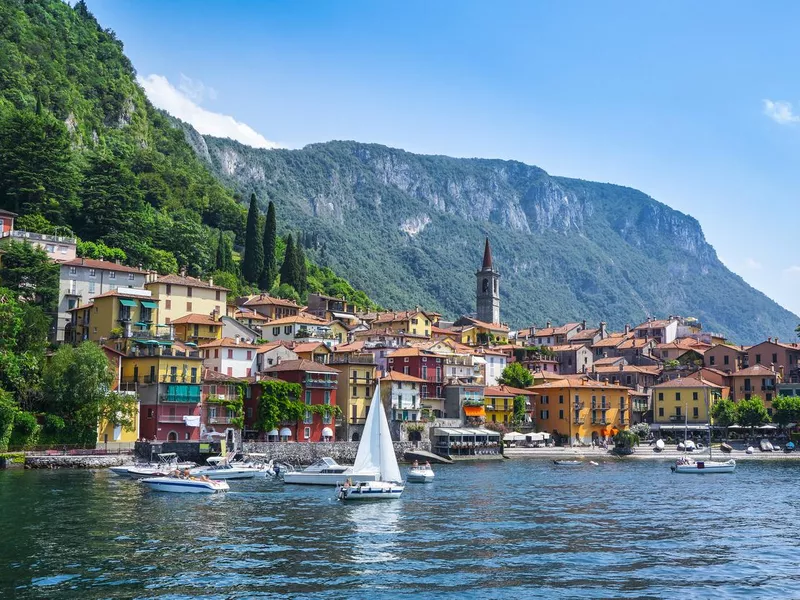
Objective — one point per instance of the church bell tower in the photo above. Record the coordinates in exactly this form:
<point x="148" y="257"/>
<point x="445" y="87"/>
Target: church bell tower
<point x="488" y="291"/>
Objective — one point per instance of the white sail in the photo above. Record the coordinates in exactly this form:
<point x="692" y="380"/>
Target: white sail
<point x="375" y="450"/>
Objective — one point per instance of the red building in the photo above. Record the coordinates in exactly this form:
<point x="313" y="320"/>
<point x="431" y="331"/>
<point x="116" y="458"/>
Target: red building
<point x="318" y="382"/>
<point x="6" y="222"/>
<point x="423" y="364"/>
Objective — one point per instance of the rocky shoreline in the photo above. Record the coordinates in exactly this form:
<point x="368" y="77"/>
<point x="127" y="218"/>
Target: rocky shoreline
<point x="644" y="453"/>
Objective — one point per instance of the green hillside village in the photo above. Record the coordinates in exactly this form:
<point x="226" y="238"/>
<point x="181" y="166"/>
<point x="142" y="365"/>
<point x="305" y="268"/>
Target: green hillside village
<point x="159" y="286"/>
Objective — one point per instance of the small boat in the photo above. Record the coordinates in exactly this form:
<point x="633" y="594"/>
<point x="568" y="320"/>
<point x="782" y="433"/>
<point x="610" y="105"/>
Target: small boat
<point x="257" y="462"/>
<point x="596" y="464"/>
<point x="765" y="445"/>
<point x="375" y="456"/>
<point x="725" y="447"/>
<point x="749" y="450"/>
<point x="326" y="471"/>
<point x="568" y="463"/>
<point x="167" y="463"/>
<point x="420" y="474"/>
<point x="688" y="465"/>
<point x="659" y="445"/>
<point x="789" y="447"/>
<point x="185" y="485"/>
<point x="220" y="467"/>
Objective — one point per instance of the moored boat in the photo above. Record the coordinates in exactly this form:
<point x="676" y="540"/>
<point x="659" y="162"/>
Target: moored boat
<point x="326" y="471"/>
<point x="567" y="463"/>
<point x="420" y="474"/>
<point x="185" y="485"/>
<point x="220" y="467"/>
<point x="167" y="462"/>
<point x="688" y="465"/>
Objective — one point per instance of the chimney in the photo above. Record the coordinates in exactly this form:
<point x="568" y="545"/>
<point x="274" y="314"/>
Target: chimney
<point x="621" y="367"/>
<point x="769" y="339"/>
<point x="776" y="340"/>
<point x="627" y="328"/>
<point x="548" y="324"/>
<point x="583" y="324"/>
<point x="183" y="271"/>
<point x="602" y="330"/>
<point x="210" y="281"/>
<point x="605" y="354"/>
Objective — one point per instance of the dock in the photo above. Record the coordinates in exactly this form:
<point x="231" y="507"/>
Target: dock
<point x="423" y="455"/>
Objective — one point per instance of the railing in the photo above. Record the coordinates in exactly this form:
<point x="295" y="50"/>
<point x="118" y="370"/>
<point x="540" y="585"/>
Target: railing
<point x="127" y="387"/>
<point x="361" y="379"/>
<point x="579" y="405"/>
<point x="320" y="383"/>
<point x="357" y="359"/>
<point x="599" y="422"/>
<point x="171" y="418"/>
<point x="221" y="398"/>
<point x="357" y="421"/>
<point x="219" y="420"/>
<point x="40" y="237"/>
<point x="675" y="418"/>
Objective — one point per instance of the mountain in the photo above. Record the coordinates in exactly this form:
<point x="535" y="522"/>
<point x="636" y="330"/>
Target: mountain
<point x="409" y="229"/>
<point x="82" y="148"/>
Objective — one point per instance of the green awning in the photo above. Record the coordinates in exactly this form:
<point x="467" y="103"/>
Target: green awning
<point x="164" y="342"/>
<point x="126" y="302"/>
<point x="140" y="324"/>
<point x="150" y="342"/>
<point x="159" y="325"/>
<point x="192" y="344"/>
<point x="148" y="304"/>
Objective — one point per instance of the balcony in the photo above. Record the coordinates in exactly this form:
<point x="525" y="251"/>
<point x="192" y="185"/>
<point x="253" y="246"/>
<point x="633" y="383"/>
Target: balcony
<point x="221" y="398"/>
<point x="312" y="382"/>
<point x="599" y="422"/>
<point x="171" y="418"/>
<point x="579" y="405"/>
<point x="579" y="420"/>
<point x="182" y="393"/>
<point x="353" y="359"/>
<point x="219" y="420"/>
<point x="39" y="237"/>
<point x="127" y="387"/>
<point x="676" y="418"/>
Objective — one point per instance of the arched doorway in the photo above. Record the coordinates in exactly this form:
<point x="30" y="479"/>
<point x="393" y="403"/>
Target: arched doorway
<point x="172" y="436"/>
<point x="414" y="436"/>
<point x="356" y="437"/>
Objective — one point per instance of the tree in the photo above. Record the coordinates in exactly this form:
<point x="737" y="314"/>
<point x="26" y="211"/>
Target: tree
<point x="270" y="271"/>
<point x="301" y="283"/>
<point x="253" y="262"/>
<point x="624" y="441"/>
<point x="289" y="267"/>
<point x="786" y="409"/>
<point x="28" y="272"/>
<point x="78" y="389"/>
<point x="751" y="413"/>
<point x="520" y="404"/>
<point x="279" y="402"/>
<point x="723" y="413"/>
<point x="516" y="376"/>
<point x="224" y="257"/>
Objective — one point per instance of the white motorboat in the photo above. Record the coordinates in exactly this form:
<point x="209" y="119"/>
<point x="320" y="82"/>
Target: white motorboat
<point x="167" y="463"/>
<point x="257" y="462"/>
<point x="220" y="467"/>
<point x="420" y="474"/>
<point x="688" y="465"/>
<point x="375" y="456"/>
<point x="326" y="471"/>
<point x="568" y="463"/>
<point x="185" y="485"/>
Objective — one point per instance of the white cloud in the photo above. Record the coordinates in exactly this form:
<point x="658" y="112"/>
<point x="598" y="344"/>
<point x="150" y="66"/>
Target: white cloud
<point x="196" y="90"/>
<point x="793" y="270"/>
<point x="752" y="263"/>
<point x="780" y="112"/>
<point x="179" y="104"/>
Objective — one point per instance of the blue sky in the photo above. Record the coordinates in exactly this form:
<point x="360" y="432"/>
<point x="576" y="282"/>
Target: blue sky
<point x="688" y="102"/>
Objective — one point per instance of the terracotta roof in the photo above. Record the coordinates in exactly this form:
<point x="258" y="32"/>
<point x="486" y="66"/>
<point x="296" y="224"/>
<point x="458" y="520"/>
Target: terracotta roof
<point x="82" y="306"/>
<point x="120" y="292"/>
<point x="227" y="342"/>
<point x="634" y="343"/>
<point x="656" y="324"/>
<point x="586" y="334"/>
<point x="114" y="350"/>
<point x="272" y="345"/>
<point x="442" y="331"/>
<point x="188" y="282"/>
<point x="413" y="351"/>
<point x="300" y="319"/>
<point x="106" y="265"/>
<point x="403" y="315"/>
<point x="398" y="376"/>
<point x="564" y="348"/>
<point x="684" y="344"/>
<point x="485" y="325"/>
<point x="216" y="376"/>
<point x="608" y="360"/>
<point x="8" y="212"/>
<point x="491" y="351"/>
<point x="505" y="391"/>
<point x="308" y="347"/>
<point x="687" y="382"/>
<point x="351" y="347"/>
<point x="583" y="382"/>
<point x="649" y="370"/>
<point x="757" y="370"/>
<point x="558" y="330"/>
<point x="612" y="341"/>
<point x="196" y="319"/>
<point x="301" y="364"/>
<point x="249" y="314"/>
<point x="389" y="333"/>
<point x="267" y="300"/>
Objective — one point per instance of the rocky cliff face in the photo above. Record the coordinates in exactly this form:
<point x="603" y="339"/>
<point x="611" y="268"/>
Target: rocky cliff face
<point x="408" y="229"/>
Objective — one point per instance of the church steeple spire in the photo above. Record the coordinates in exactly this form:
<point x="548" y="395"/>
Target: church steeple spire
<point x="487" y="255"/>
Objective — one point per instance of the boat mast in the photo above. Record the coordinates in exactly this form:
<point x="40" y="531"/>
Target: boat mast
<point x="708" y="414"/>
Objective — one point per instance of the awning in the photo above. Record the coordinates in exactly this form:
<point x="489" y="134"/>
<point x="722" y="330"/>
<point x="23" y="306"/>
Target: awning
<point x="149" y="342"/>
<point x="192" y="344"/>
<point x="140" y="324"/>
<point x="475" y="411"/>
<point x="657" y="426"/>
<point x="286" y="432"/>
<point x="273" y="432"/>
<point x="191" y="420"/>
<point x="327" y="432"/>
<point x="513" y="436"/>
<point x="126" y="302"/>
<point x="338" y="315"/>
<point x="148" y="303"/>
<point x="164" y="342"/>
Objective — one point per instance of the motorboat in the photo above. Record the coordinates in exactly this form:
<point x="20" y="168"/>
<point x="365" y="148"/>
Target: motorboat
<point x="257" y="462"/>
<point x="689" y="465"/>
<point x="765" y="445"/>
<point x="420" y="474"/>
<point x="326" y="471"/>
<point x="167" y="463"/>
<point x="749" y="450"/>
<point x="375" y="456"/>
<point x="659" y="445"/>
<point x="185" y="485"/>
<point x="567" y="463"/>
<point x="220" y="467"/>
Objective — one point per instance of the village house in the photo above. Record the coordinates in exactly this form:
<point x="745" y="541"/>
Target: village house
<point x="758" y="380"/>
<point x="480" y="333"/>
<point x="60" y="248"/>
<point x="495" y="361"/>
<point x="219" y="393"/>
<point x="299" y="328"/>
<point x="425" y="365"/>
<point x="120" y="313"/>
<point x="110" y="432"/>
<point x="268" y="306"/>
<point x="180" y="295"/>
<point x="465" y="402"/>
<point x="684" y="402"/>
<point x="250" y="318"/>
<point x="197" y="328"/>
<point x="416" y="322"/>
<point x="272" y="353"/>
<point x="356" y="383"/>
<point x="663" y="331"/>
<point x="553" y="336"/>
<point x="331" y="308"/>
<point x="725" y="357"/>
<point x="230" y="356"/>
<point x="499" y="403"/>
<point x="573" y="358"/>
<point x="316" y="351"/>
<point x="232" y="328"/>
<point x="401" y="397"/>
<point x="785" y="357"/>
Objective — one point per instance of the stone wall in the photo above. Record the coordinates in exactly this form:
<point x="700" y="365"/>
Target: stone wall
<point x="75" y="462"/>
<point x="305" y="453"/>
<point x="186" y="451"/>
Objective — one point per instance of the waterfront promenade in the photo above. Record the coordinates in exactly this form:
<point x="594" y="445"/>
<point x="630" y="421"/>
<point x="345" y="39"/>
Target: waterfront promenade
<point x="645" y="453"/>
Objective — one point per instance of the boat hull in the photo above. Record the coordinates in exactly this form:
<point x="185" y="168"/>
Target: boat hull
<point x="705" y="467"/>
<point x="567" y="463"/>
<point x="185" y="486"/>
<point x="225" y="473"/>
<point x="375" y="490"/>
<point x="303" y="478"/>
<point x="420" y="475"/>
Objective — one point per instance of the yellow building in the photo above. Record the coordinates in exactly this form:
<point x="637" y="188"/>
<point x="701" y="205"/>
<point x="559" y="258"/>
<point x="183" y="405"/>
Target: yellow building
<point x="112" y="433"/>
<point x="684" y="400"/>
<point x="581" y="409"/>
<point x="197" y="328"/>
<point x="415" y="322"/>
<point x="357" y="374"/>
<point x="179" y="295"/>
<point x="120" y="313"/>
<point x="316" y="351"/>
<point x="499" y="402"/>
<point x="340" y="332"/>
<point x="477" y="333"/>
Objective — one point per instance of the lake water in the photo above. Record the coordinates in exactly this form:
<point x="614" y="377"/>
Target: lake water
<point x="514" y="529"/>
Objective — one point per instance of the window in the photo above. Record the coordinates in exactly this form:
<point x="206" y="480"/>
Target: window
<point x="628" y="379"/>
<point x="405" y="359"/>
<point x="217" y="296"/>
<point x="112" y="274"/>
<point x="188" y="307"/>
<point x="167" y="320"/>
<point x="561" y="399"/>
<point x="405" y="371"/>
<point x="169" y="289"/>
<point x="249" y="412"/>
<point x="561" y="414"/>
<point x="188" y="292"/>
<point x="544" y="414"/>
<point x="168" y="304"/>
<point x="661" y="396"/>
<point x="73" y="270"/>
<point x="307" y="432"/>
<point x="249" y="372"/>
<point x="758" y="359"/>
<point x="660" y="411"/>
<point x="287" y="330"/>
<point x="249" y="355"/>
<point x="694" y="395"/>
<point x="62" y="249"/>
<point x="91" y="287"/>
<point x="677" y="396"/>
<point x="230" y="352"/>
<point x="712" y="361"/>
<point x="677" y="411"/>
<point x="695" y="412"/>
<point x="774" y="358"/>
<point x="230" y="371"/>
<point x="130" y="276"/>
<point x="355" y="391"/>
<point x="50" y="247"/>
<point x="216" y="352"/>
<point x="276" y="331"/>
<point x="92" y="273"/>
<point x="725" y="360"/>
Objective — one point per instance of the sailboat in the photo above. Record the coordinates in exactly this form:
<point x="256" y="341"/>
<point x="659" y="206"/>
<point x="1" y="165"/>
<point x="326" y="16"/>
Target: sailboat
<point x="375" y="455"/>
<point x="689" y="465"/>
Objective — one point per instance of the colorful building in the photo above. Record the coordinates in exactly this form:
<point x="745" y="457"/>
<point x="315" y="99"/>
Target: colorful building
<point x="197" y="328"/>
<point x="121" y="313"/>
<point x="682" y="401"/>
<point x="231" y="357"/>
<point x="299" y="328"/>
<point x="416" y="322"/>
<point x="499" y="403"/>
<point x="580" y="409"/>
<point x="357" y="373"/>
<point x="758" y="380"/>
<point x="269" y="306"/>
<point x="219" y="396"/>
<point x="180" y="295"/>
<point x="114" y="432"/>
<point x="473" y="332"/>
<point x="424" y="365"/>
<point x="401" y="398"/>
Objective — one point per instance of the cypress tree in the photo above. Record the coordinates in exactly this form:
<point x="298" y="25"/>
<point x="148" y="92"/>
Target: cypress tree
<point x="270" y="270"/>
<point x="301" y="280"/>
<point x="224" y="259"/>
<point x="253" y="262"/>
<point x="289" y="266"/>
